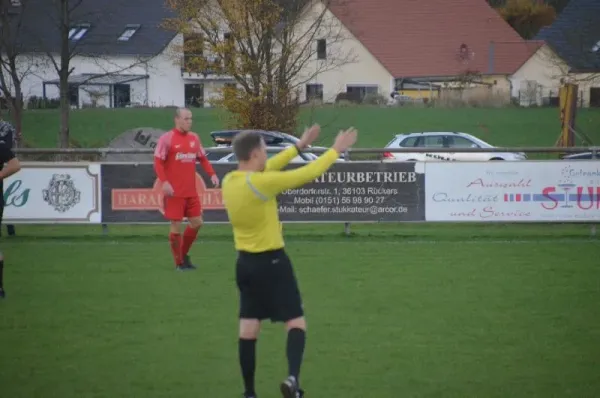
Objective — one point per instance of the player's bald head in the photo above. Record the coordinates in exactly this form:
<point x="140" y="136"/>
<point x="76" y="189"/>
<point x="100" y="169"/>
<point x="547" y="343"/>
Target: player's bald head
<point x="180" y="111"/>
<point x="183" y="119"/>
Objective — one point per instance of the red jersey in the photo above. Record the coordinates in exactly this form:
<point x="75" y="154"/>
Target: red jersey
<point x="175" y="161"/>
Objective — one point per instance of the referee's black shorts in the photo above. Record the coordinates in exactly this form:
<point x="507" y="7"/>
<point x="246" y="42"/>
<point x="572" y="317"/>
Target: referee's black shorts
<point x="268" y="286"/>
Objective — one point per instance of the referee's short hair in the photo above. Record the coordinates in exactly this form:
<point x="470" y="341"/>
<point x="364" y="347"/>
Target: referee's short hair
<point x="246" y="142"/>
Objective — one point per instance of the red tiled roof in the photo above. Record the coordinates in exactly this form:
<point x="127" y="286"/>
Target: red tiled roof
<point x="423" y="38"/>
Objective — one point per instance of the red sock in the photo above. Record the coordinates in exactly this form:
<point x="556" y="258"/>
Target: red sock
<point x="189" y="236"/>
<point x="175" y="241"/>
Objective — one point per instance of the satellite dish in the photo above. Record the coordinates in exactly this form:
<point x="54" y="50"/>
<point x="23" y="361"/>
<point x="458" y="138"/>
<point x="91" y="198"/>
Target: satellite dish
<point x="142" y="137"/>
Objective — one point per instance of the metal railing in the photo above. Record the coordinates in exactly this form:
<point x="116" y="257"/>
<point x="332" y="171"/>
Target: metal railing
<point x="595" y="150"/>
<point x="104" y="151"/>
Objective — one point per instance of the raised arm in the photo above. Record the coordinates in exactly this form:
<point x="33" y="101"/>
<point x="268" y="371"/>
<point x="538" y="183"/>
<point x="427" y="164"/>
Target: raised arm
<point x="160" y="156"/>
<point x="269" y="184"/>
<point x="282" y="159"/>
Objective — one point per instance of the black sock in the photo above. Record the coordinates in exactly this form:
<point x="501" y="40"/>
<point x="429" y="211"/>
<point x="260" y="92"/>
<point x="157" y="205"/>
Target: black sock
<point x="295" y="349"/>
<point x="247" y="354"/>
<point x="1" y="274"/>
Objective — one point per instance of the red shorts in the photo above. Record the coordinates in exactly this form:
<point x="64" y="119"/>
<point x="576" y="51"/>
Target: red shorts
<point x="177" y="208"/>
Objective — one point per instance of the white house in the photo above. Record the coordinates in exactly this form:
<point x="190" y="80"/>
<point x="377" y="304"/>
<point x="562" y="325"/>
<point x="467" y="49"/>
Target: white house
<point x="571" y="53"/>
<point x="123" y="57"/>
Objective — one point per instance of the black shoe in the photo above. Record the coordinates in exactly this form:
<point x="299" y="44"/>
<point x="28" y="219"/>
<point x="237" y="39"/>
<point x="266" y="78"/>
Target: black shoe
<point x="187" y="262"/>
<point x="249" y="396"/>
<point x="289" y="388"/>
<point x="184" y="267"/>
<point x="2" y="293"/>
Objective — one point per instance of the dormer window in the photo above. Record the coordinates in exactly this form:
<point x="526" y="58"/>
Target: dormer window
<point x="78" y="31"/>
<point x="128" y="32"/>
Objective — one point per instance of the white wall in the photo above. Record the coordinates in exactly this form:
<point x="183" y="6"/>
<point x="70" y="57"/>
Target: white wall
<point x="547" y="69"/>
<point x="362" y="67"/>
<point x="164" y="86"/>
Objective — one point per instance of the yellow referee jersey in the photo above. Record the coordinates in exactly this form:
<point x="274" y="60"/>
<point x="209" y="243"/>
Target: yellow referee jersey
<point x="250" y="198"/>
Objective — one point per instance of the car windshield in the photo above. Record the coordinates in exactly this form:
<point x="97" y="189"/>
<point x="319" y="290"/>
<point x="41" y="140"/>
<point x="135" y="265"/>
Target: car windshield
<point x="289" y="137"/>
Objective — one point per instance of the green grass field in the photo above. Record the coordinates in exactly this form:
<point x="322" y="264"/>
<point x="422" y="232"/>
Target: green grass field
<point x="393" y="310"/>
<point x="410" y="310"/>
<point x="377" y="126"/>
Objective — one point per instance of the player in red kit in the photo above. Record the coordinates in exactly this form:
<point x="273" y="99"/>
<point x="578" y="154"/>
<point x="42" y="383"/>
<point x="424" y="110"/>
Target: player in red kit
<point x="175" y="164"/>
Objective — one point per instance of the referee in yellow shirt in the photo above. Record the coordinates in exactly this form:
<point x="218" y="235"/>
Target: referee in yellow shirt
<point x="265" y="278"/>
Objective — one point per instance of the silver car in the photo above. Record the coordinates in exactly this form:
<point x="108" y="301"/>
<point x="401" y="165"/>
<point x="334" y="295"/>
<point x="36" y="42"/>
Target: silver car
<point x="440" y="140"/>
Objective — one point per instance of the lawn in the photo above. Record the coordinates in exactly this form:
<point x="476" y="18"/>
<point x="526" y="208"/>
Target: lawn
<point x="409" y="310"/>
<point x="415" y="310"/>
<point x="377" y="126"/>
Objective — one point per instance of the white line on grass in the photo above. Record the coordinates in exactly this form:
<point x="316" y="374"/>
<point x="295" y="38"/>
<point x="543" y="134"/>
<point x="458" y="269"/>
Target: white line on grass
<point x="97" y="242"/>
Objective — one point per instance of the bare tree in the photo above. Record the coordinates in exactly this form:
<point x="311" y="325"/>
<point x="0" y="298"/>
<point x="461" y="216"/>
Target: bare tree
<point x="15" y="64"/>
<point x="66" y="23"/>
<point x="269" y="49"/>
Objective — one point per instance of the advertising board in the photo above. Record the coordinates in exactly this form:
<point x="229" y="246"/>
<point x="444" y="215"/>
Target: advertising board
<point x="53" y="193"/>
<point x="513" y="191"/>
<point x="348" y="192"/>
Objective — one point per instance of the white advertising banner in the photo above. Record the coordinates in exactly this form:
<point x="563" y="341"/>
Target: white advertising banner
<point x="53" y="193"/>
<point x="513" y="191"/>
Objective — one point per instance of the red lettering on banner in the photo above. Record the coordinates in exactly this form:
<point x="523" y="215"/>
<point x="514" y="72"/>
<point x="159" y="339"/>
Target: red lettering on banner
<point x="523" y="183"/>
<point x="464" y="213"/>
<point x="153" y="198"/>
<point x="489" y="212"/>
<point x="590" y="195"/>
<point x="546" y="192"/>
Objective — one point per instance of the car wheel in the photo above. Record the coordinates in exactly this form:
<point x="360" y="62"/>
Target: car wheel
<point x="412" y="160"/>
<point x="496" y="159"/>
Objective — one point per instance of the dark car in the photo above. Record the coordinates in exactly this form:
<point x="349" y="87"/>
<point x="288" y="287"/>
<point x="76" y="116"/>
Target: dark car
<point x="223" y="138"/>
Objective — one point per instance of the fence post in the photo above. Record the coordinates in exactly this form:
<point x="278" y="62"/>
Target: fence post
<point x="593" y="229"/>
<point x="347" y="224"/>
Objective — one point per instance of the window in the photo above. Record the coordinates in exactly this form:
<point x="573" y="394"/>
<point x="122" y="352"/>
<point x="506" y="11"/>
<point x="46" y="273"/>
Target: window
<point x="74" y="95"/>
<point x="314" y="92"/>
<point x="194" y="95"/>
<point x="77" y="32"/>
<point x="460" y="142"/>
<point x="321" y="49"/>
<point x="121" y="95"/>
<point x="431" y="141"/>
<point x="193" y="49"/>
<point x="128" y="32"/>
<point x="409" y="142"/>
<point x="229" y="45"/>
<point x="357" y="93"/>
